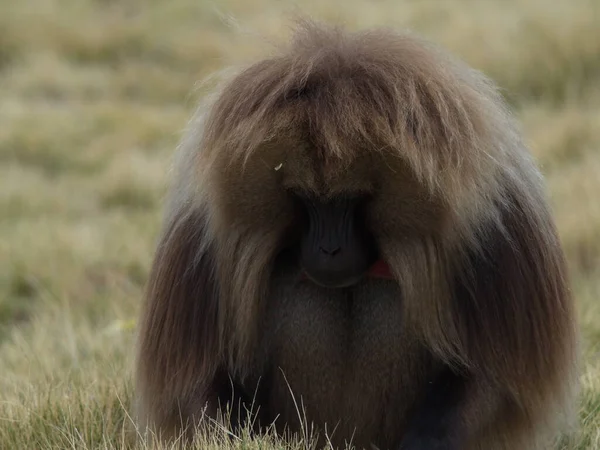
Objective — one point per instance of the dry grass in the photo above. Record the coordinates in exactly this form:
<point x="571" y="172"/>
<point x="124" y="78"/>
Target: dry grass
<point x="94" y="96"/>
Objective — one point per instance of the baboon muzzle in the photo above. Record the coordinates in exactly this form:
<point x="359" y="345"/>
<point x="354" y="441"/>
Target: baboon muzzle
<point x="337" y="248"/>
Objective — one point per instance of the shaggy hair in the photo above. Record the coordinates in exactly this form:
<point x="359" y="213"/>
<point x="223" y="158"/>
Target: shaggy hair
<point x="458" y="202"/>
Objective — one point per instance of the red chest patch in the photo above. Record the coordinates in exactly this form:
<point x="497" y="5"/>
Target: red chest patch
<point x="380" y="270"/>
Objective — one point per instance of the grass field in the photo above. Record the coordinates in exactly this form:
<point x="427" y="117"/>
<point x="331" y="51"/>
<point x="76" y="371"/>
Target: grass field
<point x="94" y="95"/>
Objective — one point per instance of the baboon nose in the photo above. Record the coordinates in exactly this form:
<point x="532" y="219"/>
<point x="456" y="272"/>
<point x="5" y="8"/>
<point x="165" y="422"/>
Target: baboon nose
<point x="330" y="250"/>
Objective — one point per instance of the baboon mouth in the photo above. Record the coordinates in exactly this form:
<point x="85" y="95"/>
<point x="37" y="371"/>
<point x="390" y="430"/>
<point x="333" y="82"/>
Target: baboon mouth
<point x="380" y="270"/>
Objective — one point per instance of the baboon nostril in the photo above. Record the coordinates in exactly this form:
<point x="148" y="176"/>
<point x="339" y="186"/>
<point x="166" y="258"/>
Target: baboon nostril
<point x="330" y="250"/>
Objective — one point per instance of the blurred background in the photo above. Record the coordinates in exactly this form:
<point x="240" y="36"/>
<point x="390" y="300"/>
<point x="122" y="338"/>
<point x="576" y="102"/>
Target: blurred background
<point x="94" y="95"/>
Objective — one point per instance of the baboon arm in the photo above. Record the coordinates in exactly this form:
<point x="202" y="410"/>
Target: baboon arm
<point x="513" y="314"/>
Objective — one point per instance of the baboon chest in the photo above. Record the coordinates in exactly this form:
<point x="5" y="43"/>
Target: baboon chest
<point x="341" y="359"/>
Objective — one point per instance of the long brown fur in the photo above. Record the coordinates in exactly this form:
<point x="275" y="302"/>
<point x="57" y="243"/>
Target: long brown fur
<point x="459" y="212"/>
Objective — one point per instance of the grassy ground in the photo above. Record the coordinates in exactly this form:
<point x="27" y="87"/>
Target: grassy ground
<point x="93" y="97"/>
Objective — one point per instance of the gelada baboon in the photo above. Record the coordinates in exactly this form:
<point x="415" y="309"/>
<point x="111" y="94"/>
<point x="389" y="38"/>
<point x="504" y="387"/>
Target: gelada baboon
<point x="357" y="230"/>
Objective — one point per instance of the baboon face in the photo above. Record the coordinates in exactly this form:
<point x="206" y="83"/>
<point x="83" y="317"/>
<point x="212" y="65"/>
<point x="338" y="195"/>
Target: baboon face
<point x="336" y="248"/>
<point x="347" y="209"/>
<point x="333" y="239"/>
<point x="334" y="213"/>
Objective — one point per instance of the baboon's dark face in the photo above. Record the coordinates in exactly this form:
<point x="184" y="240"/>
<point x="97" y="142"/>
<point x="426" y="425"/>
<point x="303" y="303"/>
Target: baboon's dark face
<point x="336" y="248"/>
